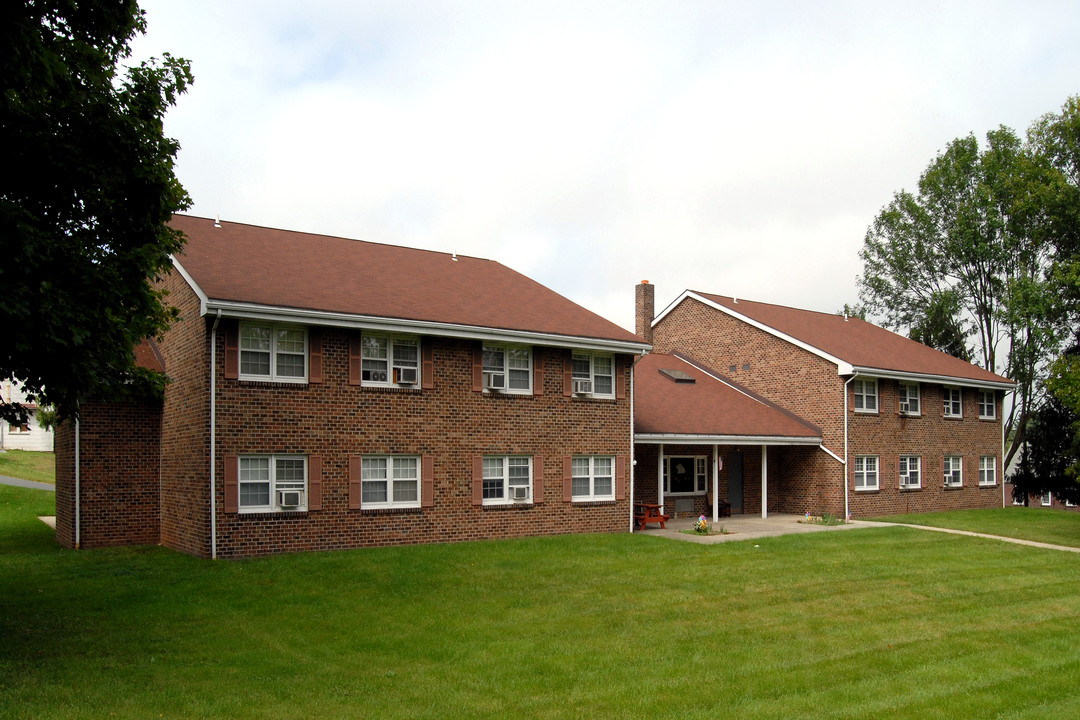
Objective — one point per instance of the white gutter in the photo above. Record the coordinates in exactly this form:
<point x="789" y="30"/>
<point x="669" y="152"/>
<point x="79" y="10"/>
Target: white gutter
<point x="78" y="479"/>
<point x="213" y="436"/>
<point x="847" y="510"/>
<point x="936" y="379"/>
<point x="675" y="438"/>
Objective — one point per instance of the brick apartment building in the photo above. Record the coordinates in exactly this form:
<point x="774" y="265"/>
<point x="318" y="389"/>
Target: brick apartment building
<point x="916" y="430"/>
<point x="330" y="393"/>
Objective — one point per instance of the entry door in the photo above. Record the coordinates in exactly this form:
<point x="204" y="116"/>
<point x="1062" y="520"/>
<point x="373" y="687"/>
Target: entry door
<point x="733" y="463"/>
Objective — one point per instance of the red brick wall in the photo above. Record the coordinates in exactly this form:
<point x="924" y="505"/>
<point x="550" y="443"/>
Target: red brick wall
<point x="808" y="385"/>
<point x="118" y="475"/>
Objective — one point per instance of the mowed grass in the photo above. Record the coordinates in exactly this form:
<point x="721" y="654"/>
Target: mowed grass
<point x="882" y="623"/>
<point x="26" y="465"/>
<point x="1058" y="527"/>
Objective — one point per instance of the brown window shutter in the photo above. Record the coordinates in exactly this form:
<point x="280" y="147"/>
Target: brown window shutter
<point x="567" y="479"/>
<point x="538" y="480"/>
<point x="232" y="484"/>
<point x="232" y="350"/>
<point x="538" y="371"/>
<point x="568" y="373"/>
<point x="427" y="481"/>
<point x="478" y="480"/>
<point x="315" y="356"/>
<point x="620" y="377"/>
<point x="620" y="477"/>
<point x="427" y="372"/>
<point x="314" y="481"/>
<point x="355" y="365"/>
<point x="478" y="368"/>
<point x="355" y="473"/>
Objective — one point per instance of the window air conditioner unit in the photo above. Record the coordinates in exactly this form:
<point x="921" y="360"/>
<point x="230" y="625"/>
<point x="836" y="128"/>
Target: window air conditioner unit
<point x="290" y="498"/>
<point x="405" y="376"/>
<point x="583" y="387"/>
<point x="519" y="492"/>
<point x="904" y="409"/>
<point x="495" y="381"/>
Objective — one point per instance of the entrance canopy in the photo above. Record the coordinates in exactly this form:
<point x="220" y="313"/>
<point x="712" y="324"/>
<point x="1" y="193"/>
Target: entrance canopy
<point x="678" y="401"/>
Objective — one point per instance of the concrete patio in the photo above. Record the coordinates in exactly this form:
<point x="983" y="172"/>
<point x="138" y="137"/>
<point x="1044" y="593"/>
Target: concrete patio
<point x="749" y="527"/>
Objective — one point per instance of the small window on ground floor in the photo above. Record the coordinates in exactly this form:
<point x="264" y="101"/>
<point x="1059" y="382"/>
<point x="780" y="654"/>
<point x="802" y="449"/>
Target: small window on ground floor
<point x="391" y="481"/>
<point x="685" y="475"/>
<point x="866" y="472"/>
<point x="507" y="479"/>
<point x="987" y="470"/>
<point x="593" y="478"/>
<point x="954" y="471"/>
<point x="910" y="472"/>
<point x="272" y="483"/>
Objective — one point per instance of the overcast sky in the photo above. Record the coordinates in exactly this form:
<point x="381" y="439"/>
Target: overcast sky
<point x="736" y="148"/>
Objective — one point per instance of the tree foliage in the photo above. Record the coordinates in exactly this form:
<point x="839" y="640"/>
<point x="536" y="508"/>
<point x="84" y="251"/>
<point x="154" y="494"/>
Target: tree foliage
<point x="985" y="251"/>
<point x="86" y="187"/>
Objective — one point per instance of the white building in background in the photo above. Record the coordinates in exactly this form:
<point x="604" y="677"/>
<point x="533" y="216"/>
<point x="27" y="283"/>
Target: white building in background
<point x="30" y="436"/>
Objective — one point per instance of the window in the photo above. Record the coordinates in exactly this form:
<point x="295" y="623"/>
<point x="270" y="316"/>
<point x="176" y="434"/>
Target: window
<point x="908" y="394"/>
<point x="987" y="405"/>
<point x="391" y="481"/>
<point x="16" y="428"/>
<point x="866" y="472"/>
<point x="389" y="361"/>
<point x="953" y="405"/>
<point x="865" y="396"/>
<point x="909" y="472"/>
<point x="954" y="471"/>
<point x="1046" y="499"/>
<point x="593" y="478"/>
<point x="272" y="483"/>
<point x="508" y="369"/>
<point x="594" y="375"/>
<point x="684" y="475"/>
<point x="507" y="479"/>
<point x="273" y="352"/>
<point x="987" y="470"/>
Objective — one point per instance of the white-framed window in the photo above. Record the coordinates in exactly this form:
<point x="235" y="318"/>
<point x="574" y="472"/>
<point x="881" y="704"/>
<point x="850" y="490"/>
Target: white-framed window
<point x="593" y="374"/>
<point x="910" y="475"/>
<point x="507" y="479"/>
<point x="508" y="368"/>
<point x="389" y="360"/>
<point x="987" y="470"/>
<point x="1046" y="499"/>
<point x="865" y="395"/>
<point x="272" y="483"/>
<point x="908" y="395"/>
<point x="954" y="405"/>
<point x="1070" y="503"/>
<point x="954" y="471"/>
<point x="273" y="352"/>
<point x="685" y="475"/>
<point x="592" y="478"/>
<point x="866" y="472"/>
<point x="390" y="481"/>
<point x="987" y="405"/>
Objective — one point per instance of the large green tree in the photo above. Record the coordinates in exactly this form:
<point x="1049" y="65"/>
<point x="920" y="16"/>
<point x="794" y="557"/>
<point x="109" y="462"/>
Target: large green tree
<point x="87" y="185"/>
<point x="983" y="251"/>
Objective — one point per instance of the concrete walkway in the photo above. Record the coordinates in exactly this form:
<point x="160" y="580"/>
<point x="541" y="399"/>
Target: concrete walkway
<point x="1017" y="541"/>
<point x="750" y="527"/>
<point x="26" y="483"/>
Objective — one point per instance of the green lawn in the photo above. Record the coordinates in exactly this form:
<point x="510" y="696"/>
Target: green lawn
<point x="26" y="465"/>
<point x="882" y="623"/>
<point x="1059" y="527"/>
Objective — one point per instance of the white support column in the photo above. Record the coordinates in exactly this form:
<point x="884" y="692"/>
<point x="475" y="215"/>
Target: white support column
<point x="660" y="478"/>
<point x="764" y="481"/>
<point x="715" y="482"/>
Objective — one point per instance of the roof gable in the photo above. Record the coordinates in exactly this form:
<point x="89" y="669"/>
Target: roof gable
<point x="860" y="345"/>
<point x="233" y="264"/>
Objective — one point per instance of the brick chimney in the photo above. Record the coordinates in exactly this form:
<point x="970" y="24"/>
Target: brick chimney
<point x="645" y="306"/>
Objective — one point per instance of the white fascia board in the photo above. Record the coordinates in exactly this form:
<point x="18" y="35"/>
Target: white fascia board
<point x="679" y="439"/>
<point x="269" y="313"/>
<point x="934" y="379"/>
<point x="842" y="367"/>
<point x="203" y="300"/>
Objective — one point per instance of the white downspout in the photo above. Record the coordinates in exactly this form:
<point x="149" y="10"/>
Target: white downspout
<point x="660" y="478"/>
<point x="213" y="436"/>
<point x="764" y="482"/>
<point x="1001" y="417"/>
<point x="633" y="448"/>
<point x="847" y="510"/>
<point x="715" y="482"/>
<point x="78" y="479"/>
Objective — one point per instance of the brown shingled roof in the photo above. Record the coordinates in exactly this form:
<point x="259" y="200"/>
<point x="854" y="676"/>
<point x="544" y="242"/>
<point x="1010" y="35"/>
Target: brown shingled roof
<point x="318" y="273"/>
<point x="706" y="407"/>
<point x="855" y="341"/>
